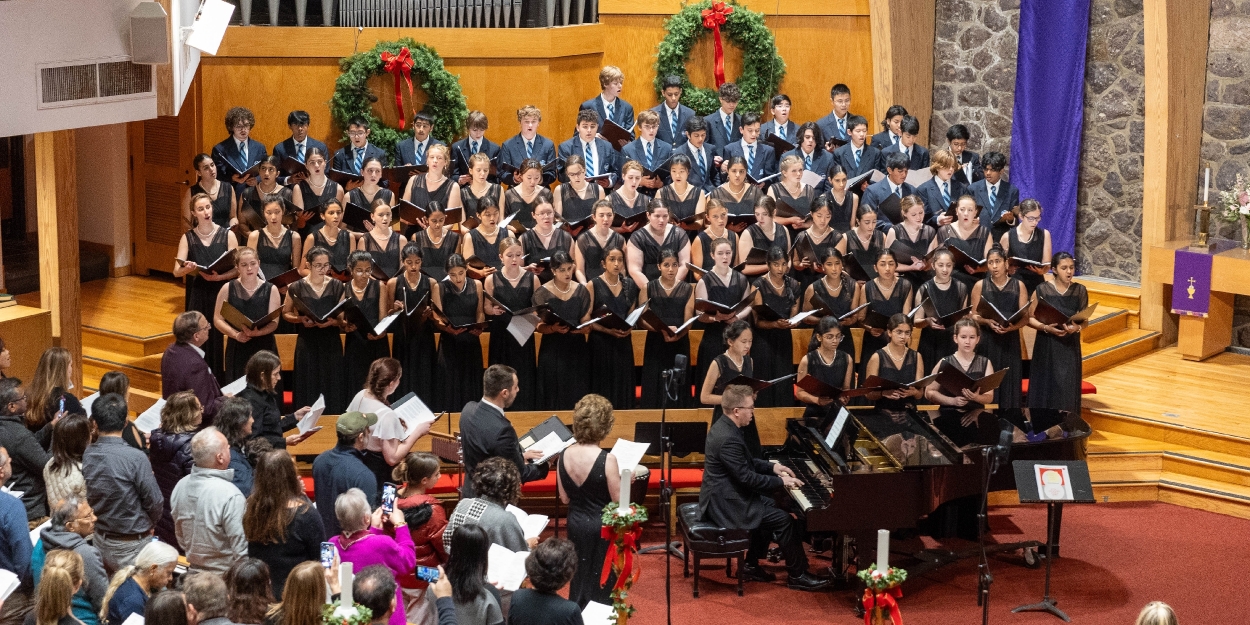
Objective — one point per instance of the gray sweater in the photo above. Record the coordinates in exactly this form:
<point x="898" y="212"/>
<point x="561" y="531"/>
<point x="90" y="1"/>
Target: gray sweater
<point x="95" y="580"/>
<point x="208" y="519"/>
<point x="500" y="525"/>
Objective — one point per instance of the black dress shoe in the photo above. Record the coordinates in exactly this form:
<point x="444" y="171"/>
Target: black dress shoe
<point x="754" y="573"/>
<point x="807" y="581"/>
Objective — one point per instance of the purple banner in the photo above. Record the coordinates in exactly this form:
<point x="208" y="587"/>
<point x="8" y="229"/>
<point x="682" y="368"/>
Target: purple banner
<point x="1191" y="283"/>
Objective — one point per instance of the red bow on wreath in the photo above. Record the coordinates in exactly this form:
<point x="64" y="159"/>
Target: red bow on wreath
<point x="712" y="20"/>
<point x="885" y="600"/>
<point x="399" y="65"/>
<point x="629" y="548"/>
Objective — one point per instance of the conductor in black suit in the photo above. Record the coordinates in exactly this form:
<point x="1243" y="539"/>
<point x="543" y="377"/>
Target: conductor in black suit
<point x="737" y="489"/>
<point x="485" y="432"/>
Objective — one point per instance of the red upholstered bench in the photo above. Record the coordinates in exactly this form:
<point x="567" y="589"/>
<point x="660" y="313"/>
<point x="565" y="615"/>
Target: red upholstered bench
<point x="545" y="485"/>
<point x="1086" y="388"/>
<point x="682" y="478"/>
<point x="446" y="484"/>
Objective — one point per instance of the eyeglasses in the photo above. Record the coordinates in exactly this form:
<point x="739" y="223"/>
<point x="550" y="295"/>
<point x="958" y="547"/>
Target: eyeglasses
<point x="747" y="408"/>
<point x="356" y="133"/>
<point x="1032" y="218"/>
<point x="320" y="265"/>
<point x="242" y="126"/>
<point x="836" y="338"/>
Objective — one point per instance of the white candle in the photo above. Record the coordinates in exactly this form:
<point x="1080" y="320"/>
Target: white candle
<point x="623" y="509"/>
<point x="345" y="584"/>
<point x="883" y="551"/>
<point x="1206" y="186"/>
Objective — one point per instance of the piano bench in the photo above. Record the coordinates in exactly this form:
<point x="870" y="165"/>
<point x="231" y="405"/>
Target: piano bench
<point x="706" y="540"/>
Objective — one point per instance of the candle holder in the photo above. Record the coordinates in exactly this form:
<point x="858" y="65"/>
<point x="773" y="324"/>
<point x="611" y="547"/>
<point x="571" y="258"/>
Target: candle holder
<point x="1202" y="238"/>
<point x="623" y="531"/>
<point x="881" y="596"/>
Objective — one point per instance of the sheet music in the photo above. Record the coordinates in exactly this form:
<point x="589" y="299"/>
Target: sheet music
<point x="521" y="327"/>
<point x="86" y="402"/>
<point x="150" y="419"/>
<point x="594" y="613"/>
<point x="413" y="413"/>
<point x="917" y="177"/>
<point x="531" y="524"/>
<point x="310" y="419"/>
<point x="811" y="178"/>
<point x="386" y="323"/>
<point x="235" y="387"/>
<point x="505" y="567"/>
<point x="550" y="445"/>
<point x="836" y="430"/>
<point x="8" y="583"/>
<point x="628" y="453"/>
<point x="795" y="320"/>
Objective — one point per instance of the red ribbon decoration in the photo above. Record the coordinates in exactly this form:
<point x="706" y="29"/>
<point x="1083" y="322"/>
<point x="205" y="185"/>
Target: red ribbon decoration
<point x="631" y="569"/>
<point x="712" y="20"/>
<point x="399" y="65"/>
<point x="887" y="600"/>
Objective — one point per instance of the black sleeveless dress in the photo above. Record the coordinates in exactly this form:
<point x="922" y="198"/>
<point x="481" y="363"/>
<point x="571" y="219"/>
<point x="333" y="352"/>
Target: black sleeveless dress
<point x="1032" y="250"/>
<point x="903" y="375"/>
<point x="253" y="307"/>
<point x="414" y="343"/>
<point x="574" y="207"/>
<point x="843" y="212"/>
<point x="802" y="203"/>
<point x="564" y="365"/>
<point x="201" y="294"/>
<point x="675" y="239"/>
<point x="473" y="204"/>
<point x="918" y="248"/>
<point x="976" y="370"/>
<point x="713" y="341"/>
<point x="387" y="259"/>
<point x="359" y="351"/>
<point x="221" y="205"/>
<point x="974" y="246"/>
<point x="275" y="261"/>
<point x="658" y="354"/>
<point x="504" y="349"/>
<point x="514" y="204"/>
<point x="624" y="208"/>
<point x="761" y="241"/>
<point x="315" y="202"/>
<point x="1055" y="375"/>
<point x="806" y="277"/>
<point x="772" y="350"/>
<point x="357" y="196"/>
<point x="593" y="253"/>
<point x="1003" y="350"/>
<point x="534" y="249"/>
<point x="434" y="257"/>
<point x="340" y="250"/>
<point x="705" y="260"/>
<point x="888" y="306"/>
<point x="833" y="374"/>
<point x="840" y="305"/>
<point x="678" y="208"/>
<point x="252" y="205"/>
<point x="938" y="344"/>
<point x="459" y="355"/>
<point x="613" y="357"/>
<point x="487" y="250"/>
<point x="745" y="206"/>
<point x="586" y="502"/>
<point x="728" y="371"/>
<point x="319" y="351"/>
<point x="422" y="196"/>
<point x="865" y="254"/>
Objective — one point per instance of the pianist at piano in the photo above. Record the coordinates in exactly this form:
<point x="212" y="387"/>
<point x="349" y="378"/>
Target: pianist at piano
<point x="737" y="493"/>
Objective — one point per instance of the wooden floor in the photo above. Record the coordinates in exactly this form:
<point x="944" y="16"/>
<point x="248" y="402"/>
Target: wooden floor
<point x="134" y="306"/>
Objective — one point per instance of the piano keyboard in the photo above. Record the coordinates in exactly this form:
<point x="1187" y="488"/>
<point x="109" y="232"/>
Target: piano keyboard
<point x="812" y="488"/>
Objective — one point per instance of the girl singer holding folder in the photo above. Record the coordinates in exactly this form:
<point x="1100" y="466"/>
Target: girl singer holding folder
<point x="1002" y="343"/>
<point x="459" y="350"/>
<point x="362" y="347"/>
<point x="220" y="194"/>
<point x="725" y="286"/>
<point x="773" y="351"/>
<point x="563" y="360"/>
<point x="318" y="350"/>
<point x="672" y="301"/>
<point x="966" y="359"/>
<point x="826" y="362"/>
<point x="1055" y="377"/>
<point x="945" y="296"/>
<point x="513" y="287"/>
<point x="835" y="291"/>
<point x="253" y="297"/>
<point x="311" y="195"/>
<point x="203" y="244"/>
<point x="612" y="351"/>
<point x="277" y="246"/>
<point x="896" y="362"/>
<point x="887" y="294"/>
<point x="733" y="362"/>
<point x="414" y="336"/>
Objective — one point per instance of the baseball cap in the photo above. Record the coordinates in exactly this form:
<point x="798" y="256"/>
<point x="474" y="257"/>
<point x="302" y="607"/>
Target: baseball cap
<point x="353" y="423"/>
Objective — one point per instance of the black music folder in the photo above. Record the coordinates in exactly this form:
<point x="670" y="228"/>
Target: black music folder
<point x="715" y="308"/>
<point x="1051" y="316"/>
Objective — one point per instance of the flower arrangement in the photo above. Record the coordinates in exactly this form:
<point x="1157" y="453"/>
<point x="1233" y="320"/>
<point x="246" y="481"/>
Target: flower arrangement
<point x="1235" y="203"/>
<point x="337" y="614"/>
<point x="882" y="594"/>
<point x="624" y="533"/>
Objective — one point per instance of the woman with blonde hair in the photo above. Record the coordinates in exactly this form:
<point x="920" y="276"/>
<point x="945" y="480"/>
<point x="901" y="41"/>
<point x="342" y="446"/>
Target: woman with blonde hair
<point x="50" y="385"/>
<point x="588" y="481"/>
<point x="304" y="595"/>
<point x="1156" y="613"/>
<point x="170" y="451"/>
<point x="62" y="576"/>
<point x="131" y="586"/>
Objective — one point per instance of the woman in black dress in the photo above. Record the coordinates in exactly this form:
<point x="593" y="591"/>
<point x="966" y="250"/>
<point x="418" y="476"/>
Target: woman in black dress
<point x="318" y="350"/>
<point x="671" y="300"/>
<point x="255" y="298"/>
<point x="220" y="195"/>
<point x="414" y="335"/>
<point x="563" y="360"/>
<point x="1028" y="241"/>
<point x="791" y="191"/>
<point x="312" y="195"/>
<point x="589" y="479"/>
<point x="611" y="350"/>
<point x="826" y="362"/>
<point x="843" y="203"/>
<point x="887" y="294"/>
<point x="918" y="237"/>
<point x="729" y="364"/>
<point x="864" y="242"/>
<point x="593" y="243"/>
<point x="806" y="268"/>
<point x="643" y="250"/>
<point x="683" y="199"/>
<point x="367" y="293"/>
<point x="1002" y="344"/>
<point x="717" y="218"/>
<point x="521" y="199"/>
<point x="437" y="241"/>
<point x="735" y="194"/>
<point x="898" y="363"/>
<point x="480" y="192"/>
<point x="726" y="286"/>
<point x="970" y="236"/>
<point x="332" y="238"/>
<point x="773" y="349"/>
<point x="1055" y="375"/>
<point x="836" y="292"/>
<point x="201" y="247"/>
<point x="433" y="185"/>
<point x="277" y="247"/>
<point x="381" y="242"/>
<point x="480" y="244"/>
<point x="575" y="199"/>
<point x="543" y="240"/>
<point x="459" y="350"/>
<point x="966" y="335"/>
<point x="370" y="190"/>
<point x="514" y="287"/>
<point x="765" y="234"/>
<point x="944" y="296"/>
<point x="252" y="202"/>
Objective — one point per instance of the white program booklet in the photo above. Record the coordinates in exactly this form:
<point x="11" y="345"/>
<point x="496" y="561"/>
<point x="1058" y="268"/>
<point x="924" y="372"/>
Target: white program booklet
<point x="134" y="619"/>
<point x="235" y="387"/>
<point x="150" y="419"/>
<point x="550" y="445"/>
<point x="628" y="453"/>
<point x="88" y="401"/>
<point x="412" y="412"/>
<point x="532" y="524"/>
<point x="316" y="410"/>
<point x="8" y="583"/>
<point x="505" y="567"/>
<point x="594" y="613"/>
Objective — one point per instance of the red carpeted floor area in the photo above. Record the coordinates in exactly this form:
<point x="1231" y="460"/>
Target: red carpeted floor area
<point x="1116" y="558"/>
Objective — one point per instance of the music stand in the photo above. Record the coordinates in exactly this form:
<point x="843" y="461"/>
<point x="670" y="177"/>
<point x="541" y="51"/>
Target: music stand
<point x="1082" y="491"/>
<point x="684" y="438"/>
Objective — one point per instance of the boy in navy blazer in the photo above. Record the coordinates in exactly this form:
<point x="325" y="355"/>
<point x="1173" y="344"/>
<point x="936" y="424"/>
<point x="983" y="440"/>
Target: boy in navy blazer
<point x="723" y="125"/>
<point x="470" y="145"/>
<point x="761" y="160"/>
<point x="837" y="124"/>
<point x="648" y="150"/>
<point x="673" y="114"/>
<point x="997" y="195"/>
<point x="350" y="157"/>
<point x="781" y="124"/>
<point x="940" y="191"/>
<point x="704" y="161"/>
<point x="967" y="163"/>
<point x="917" y="155"/>
<point x="527" y="144"/>
<point x="599" y="157"/>
<point x="894" y="184"/>
<point x="238" y="152"/>
<point x="412" y="151"/>
<point x="297" y="145"/>
<point x="811" y="150"/>
<point x="890" y="128"/>
<point x="855" y="157"/>
<point x="608" y="104"/>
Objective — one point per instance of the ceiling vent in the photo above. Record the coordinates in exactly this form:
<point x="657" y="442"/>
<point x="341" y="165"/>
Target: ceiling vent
<point x="93" y="82"/>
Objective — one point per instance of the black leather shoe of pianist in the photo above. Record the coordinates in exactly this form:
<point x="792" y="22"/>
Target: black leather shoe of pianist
<point x="755" y="573"/>
<point x="808" y="582"/>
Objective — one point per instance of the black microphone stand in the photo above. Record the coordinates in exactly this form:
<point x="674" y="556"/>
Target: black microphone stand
<point x="672" y="383"/>
<point x="993" y="458"/>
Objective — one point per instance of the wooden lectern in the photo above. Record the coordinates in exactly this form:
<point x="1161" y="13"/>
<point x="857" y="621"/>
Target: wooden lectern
<point x="1200" y="338"/>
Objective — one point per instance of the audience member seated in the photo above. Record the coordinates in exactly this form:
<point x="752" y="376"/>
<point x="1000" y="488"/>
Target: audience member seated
<point x="426" y="517"/>
<point x="131" y="586"/>
<point x="281" y="525"/>
<point x="15" y="548"/>
<point x="368" y="539"/>
<point x="48" y="396"/>
<point x="168" y="607"/>
<point x="27" y="455"/>
<point x="208" y="509"/>
<point x="207" y="599"/>
<point x="183" y="367"/>
<point x="498" y="485"/>
<point x="234" y="421"/>
<point x="170" y="451"/>
<point x="63" y="473"/>
<point x="1156" y="613"/>
<point x="304" y="594"/>
<point x="549" y="566"/>
<point x="249" y="591"/>
<point x="72" y="523"/>
<point x="60" y="578"/>
<point x="337" y="470"/>
<point x="477" y="603"/>
<point x="118" y="382"/>
<point x="120" y="487"/>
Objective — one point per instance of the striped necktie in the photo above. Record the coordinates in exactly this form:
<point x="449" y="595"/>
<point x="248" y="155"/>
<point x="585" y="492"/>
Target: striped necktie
<point x="781" y="132"/>
<point x="420" y="153"/>
<point x="993" y="196"/>
<point x="946" y="194"/>
<point x="750" y="158"/>
<point x="650" y="155"/>
<point x="360" y="159"/>
<point x="729" y="131"/>
<point x="858" y="152"/>
<point x="590" y="160"/>
<point x="894" y="138"/>
<point x="807" y="162"/>
<point x="243" y="153"/>
<point x="477" y="147"/>
<point x="609" y="108"/>
<point x="842" y="128"/>
<point x="672" y="124"/>
<point x="899" y="191"/>
<point x="529" y="149"/>
<point x="702" y="163"/>
<point x="299" y="152"/>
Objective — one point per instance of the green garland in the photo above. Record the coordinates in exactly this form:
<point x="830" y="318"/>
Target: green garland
<point x="762" y="67"/>
<point x="352" y="97"/>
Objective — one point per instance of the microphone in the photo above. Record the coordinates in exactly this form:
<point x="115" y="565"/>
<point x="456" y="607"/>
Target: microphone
<point x="681" y="364"/>
<point x="1003" y="449"/>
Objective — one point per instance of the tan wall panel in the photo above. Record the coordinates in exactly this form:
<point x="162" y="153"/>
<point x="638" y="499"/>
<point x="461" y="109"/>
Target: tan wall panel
<point x="271" y="87"/>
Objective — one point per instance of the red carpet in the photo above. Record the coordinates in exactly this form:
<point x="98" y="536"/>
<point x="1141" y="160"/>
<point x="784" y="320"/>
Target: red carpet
<point x="1116" y="558"/>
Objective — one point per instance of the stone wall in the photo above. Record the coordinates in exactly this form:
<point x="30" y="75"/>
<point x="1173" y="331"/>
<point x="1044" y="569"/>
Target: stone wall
<point x="1109" y="192"/>
<point x="1226" y="121"/>
<point x="974" y="71"/>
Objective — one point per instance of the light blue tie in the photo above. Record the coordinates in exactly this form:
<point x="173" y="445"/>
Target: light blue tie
<point x="360" y="159"/>
<point x="702" y="163"/>
<point x="299" y="152"/>
<point x="857" y="155"/>
<point x="899" y="191"/>
<point x="609" y="108"/>
<point x="477" y="147"/>
<point x="842" y="128"/>
<point x="672" y="125"/>
<point x="729" y="131"/>
<point x="420" y="153"/>
<point x="894" y="138"/>
<point x="807" y="162"/>
<point x="946" y="194"/>
<point x="650" y="154"/>
<point x="243" y="153"/>
<point x="993" y="197"/>
<point x="590" y="160"/>
<point x="781" y="132"/>
<point x="750" y="158"/>
<point x="529" y="149"/>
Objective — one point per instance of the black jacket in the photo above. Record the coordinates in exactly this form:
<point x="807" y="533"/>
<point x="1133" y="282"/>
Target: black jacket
<point x="735" y="485"/>
<point x="486" y="432"/>
<point x="28" y="459"/>
<point x="269" y="422"/>
<point x="170" y="455"/>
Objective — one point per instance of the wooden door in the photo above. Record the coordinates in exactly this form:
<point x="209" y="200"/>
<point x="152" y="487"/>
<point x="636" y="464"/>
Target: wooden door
<point x="161" y="151"/>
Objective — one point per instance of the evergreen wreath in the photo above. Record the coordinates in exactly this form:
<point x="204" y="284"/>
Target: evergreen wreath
<point x="762" y="67"/>
<point x="353" y="99"/>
